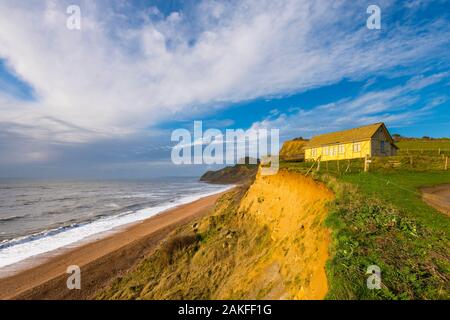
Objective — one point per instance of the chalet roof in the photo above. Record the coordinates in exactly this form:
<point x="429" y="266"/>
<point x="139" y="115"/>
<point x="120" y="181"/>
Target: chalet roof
<point x="346" y="136"/>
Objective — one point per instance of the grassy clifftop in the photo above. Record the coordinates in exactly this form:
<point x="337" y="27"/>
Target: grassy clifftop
<point x="293" y="149"/>
<point x="264" y="242"/>
<point x="379" y="218"/>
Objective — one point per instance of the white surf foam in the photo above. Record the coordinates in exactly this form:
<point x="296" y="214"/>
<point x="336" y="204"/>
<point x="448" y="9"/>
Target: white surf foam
<point x="17" y="250"/>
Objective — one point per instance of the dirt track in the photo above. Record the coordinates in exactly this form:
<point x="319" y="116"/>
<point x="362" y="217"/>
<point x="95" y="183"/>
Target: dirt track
<point x="438" y="197"/>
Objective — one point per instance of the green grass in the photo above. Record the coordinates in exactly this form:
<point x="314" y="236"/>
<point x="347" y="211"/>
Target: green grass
<point x="424" y="147"/>
<point x="403" y="163"/>
<point x="424" y="144"/>
<point x="378" y="218"/>
<point x="401" y="188"/>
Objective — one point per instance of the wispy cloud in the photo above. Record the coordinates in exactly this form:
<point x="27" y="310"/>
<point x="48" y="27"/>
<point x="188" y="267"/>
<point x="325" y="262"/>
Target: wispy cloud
<point x="392" y="105"/>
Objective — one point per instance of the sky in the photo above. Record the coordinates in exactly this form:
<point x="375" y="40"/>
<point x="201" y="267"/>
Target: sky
<point x="101" y="102"/>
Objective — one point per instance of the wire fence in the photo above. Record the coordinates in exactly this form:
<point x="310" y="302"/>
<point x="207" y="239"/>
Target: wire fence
<point x="426" y="160"/>
<point x="425" y="151"/>
<point x="434" y="161"/>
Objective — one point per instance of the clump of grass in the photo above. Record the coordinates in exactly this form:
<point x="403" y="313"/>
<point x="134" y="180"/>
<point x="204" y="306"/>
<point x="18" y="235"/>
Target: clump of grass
<point x="177" y="244"/>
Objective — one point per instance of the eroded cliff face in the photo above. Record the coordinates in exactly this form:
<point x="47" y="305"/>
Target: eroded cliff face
<point x="264" y="242"/>
<point x="293" y="208"/>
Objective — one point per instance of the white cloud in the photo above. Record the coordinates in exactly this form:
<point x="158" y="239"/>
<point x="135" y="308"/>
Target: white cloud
<point x="392" y="106"/>
<point x="116" y="77"/>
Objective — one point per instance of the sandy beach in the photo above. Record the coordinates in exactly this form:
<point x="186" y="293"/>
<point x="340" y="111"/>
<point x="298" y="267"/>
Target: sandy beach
<point x="101" y="260"/>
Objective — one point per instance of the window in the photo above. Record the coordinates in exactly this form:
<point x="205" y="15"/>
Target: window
<point x="382" y="146"/>
<point x="341" y="149"/>
<point x="326" y="151"/>
<point x="313" y="152"/>
<point x="357" y="147"/>
<point x="334" y="151"/>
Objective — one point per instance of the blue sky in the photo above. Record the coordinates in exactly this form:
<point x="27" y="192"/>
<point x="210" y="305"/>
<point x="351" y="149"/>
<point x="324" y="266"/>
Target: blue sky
<point x="101" y="102"/>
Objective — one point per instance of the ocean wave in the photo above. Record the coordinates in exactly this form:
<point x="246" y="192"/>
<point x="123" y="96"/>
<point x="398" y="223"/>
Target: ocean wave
<point x="112" y="205"/>
<point x="18" y="249"/>
<point x="54" y="212"/>
<point x="77" y="197"/>
<point x="35" y="236"/>
<point x="11" y="218"/>
<point x="28" y="202"/>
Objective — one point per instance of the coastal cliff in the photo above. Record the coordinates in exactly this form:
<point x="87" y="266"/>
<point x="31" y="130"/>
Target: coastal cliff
<point x="266" y="241"/>
<point x="240" y="173"/>
<point x="292" y="208"/>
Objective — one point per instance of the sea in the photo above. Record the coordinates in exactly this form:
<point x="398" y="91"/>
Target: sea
<point x="37" y="217"/>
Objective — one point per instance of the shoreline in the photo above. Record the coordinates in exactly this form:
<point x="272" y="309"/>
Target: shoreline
<point x="101" y="259"/>
<point x="26" y="249"/>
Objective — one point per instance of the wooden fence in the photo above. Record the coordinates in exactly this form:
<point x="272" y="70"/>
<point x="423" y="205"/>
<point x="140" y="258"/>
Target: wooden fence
<point x="437" y="161"/>
<point x="425" y="151"/>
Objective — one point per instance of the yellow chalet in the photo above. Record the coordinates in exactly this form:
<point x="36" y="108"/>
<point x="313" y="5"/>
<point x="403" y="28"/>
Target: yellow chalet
<point x="373" y="140"/>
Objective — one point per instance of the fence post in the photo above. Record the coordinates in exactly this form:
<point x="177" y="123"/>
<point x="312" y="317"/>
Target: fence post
<point x="338" y="167"/>
<point x="318" y="164"/>
<point x="348" y="166"/>
<point x="439" y="152"/>
<point x="446" y="163"/>
<point x="366" y="164"/>
<point x="309" y="170"/>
